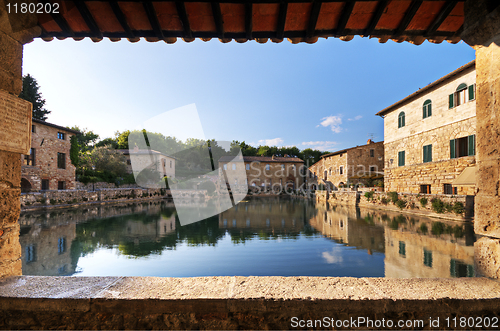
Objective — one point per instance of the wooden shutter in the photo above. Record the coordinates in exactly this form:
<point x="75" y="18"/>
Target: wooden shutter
<point x="452" y="149"/>
<point x="451" y="103"/>
<point x="471" y="92"/>
<point x="425" y="154"/>
<point x="429" y="154"/>
<point x="472" y="145"/>
<point x="429" y="109"/>
<point x="401" y="158"/>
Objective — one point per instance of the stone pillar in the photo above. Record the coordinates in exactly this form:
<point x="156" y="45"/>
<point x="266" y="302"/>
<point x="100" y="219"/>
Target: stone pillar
<point x="482" y="32"/>
<point x="15" y="30"/>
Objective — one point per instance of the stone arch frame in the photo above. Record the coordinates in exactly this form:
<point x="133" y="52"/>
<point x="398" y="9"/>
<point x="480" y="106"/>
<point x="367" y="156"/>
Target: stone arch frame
<point x="26" y="185"/>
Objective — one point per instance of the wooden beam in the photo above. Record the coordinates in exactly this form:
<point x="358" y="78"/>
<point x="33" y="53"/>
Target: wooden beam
<point x="89" y="20"/>
<point x="280" y="28"/>
<point x="248" y="20"/>
<point x="219" y="23"/>
<point x="181" y="10"/>
<point x="263" y="1"/>
<point x="59" y="19"/>
<point x="153" y="19"/>
<point x="313" y="19"/>
<point x="382" y="5"/>
<point x="121" y="19"/>
<point x="443" y="14"/>
<point x="344" y="17"/>
<point x="414" y="6"/>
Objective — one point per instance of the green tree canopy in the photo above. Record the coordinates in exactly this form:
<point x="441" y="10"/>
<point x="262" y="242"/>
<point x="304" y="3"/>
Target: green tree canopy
<point x="32" y="94"/>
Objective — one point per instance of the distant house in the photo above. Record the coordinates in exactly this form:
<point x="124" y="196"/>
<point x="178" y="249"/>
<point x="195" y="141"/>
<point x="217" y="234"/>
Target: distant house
<point x="48" y="166"/>
<point x="356" y="165"/>
<point x="268" y="172"/>
<point x="154" y="160"/>
<point x="430" y="137"/>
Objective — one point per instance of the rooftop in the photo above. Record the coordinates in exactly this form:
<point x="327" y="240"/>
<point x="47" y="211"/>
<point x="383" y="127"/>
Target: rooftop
<point x="62" y="128"/>
<point x="348" y="149"/>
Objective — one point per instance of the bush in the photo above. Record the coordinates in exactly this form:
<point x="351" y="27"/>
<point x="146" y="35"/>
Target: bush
<point x="448" y="207"/>
<point x="437" y="228"/>
<point x="378" y="183"/>
<point x="401" y="204"/>
<point x="53" y="202"/>
<point x="458" y="231"/>
<point x="423" y="202"/>
<point x="394" y="197"/>
<point x="437" y="205"/>
<point x="458" y="208"/>
<point x="384" y="200"/>
<point x="423" y="228"/>
<point x="369" y="195"/>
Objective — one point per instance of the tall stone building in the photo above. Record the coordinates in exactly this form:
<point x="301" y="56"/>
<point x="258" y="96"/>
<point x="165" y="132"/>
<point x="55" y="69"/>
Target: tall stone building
<point x="353" y="165"/>
<point x="430" y="137"/>
<point x="48" y="166"/>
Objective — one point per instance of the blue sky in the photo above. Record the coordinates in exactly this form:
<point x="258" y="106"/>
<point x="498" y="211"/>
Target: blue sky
<point x="323" y="95"/>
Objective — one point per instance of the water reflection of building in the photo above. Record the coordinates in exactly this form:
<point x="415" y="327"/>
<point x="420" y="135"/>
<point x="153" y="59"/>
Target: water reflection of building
<point x="344" y="225"/>
<point x="46" y="249"/>
<point x="266" y="214"/>
<point x="140" y="231"/>
<point x="424" y="247"/>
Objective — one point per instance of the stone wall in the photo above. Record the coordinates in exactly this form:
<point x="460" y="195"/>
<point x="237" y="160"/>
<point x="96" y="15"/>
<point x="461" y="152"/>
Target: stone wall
<point x="65" y="197"/>
<point x="101" y="185"/>
<point x="342" y="197"/>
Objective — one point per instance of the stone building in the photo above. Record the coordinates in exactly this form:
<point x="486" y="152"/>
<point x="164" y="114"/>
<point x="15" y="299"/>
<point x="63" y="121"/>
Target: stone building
<point x="268" y="173"/>
<point x="142" y="158"/>
<point x="359" y="164"/>
<point x="430" y="137"/>
<point x="48" y="166"/>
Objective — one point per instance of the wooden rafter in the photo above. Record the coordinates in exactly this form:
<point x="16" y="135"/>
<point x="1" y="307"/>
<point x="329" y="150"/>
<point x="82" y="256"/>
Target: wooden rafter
<point x="382" y="5"/>
<point x="313" y="19"/>
<point x="280" y="29"/>
<point x="415" y="5"/>
<point x="181" y="10"/>
<point x="264" y="1"/>
<point x="153" y="19"/>
<point x="219" y="23"/>
<point x="121" y="18"/>
<point x="443" y="14"/>
<point x="248" y="20"/>
<point x="88" y="18"/>
<point x="60" y="21"/>
<point x="344" y="17"/>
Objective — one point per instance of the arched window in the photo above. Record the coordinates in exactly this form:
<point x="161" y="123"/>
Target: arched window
<point x="427" y="108"/>
<point x="461" y="87"/>
<point x="401" y="119"/>
<point x="461" y="96"/>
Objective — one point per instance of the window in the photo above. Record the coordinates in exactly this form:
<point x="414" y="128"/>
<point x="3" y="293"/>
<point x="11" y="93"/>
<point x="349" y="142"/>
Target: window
<point x="460" y="269"/>
<point x="61" y="160"/>
<point x="247" y="166"/>
<point x="402" y="248"/>
<point x="225" y="166"/>
<point x="427" y="108"/>
<point x="330" y="171"/>
<point x="401" y="158"/>
<point x="61" y="135"/>
<point x="33" y="129"/>
<point x="30" y="159"/>
<point x="341" y="170"/>
<point x="428" y="258"/>
<point x="427" y="153"/>
<point x="425" y="189"/>
<point x="234" y="166"/>
<point x="449" y="189"/>
<point x="463" y="94"/>
<point x="465" y="146"/>
<point x="61" y="185"/>
<point x="170" y="163"/>
<point x="401" y="119"/>
<point x="45" y="184"/>
<point x="61" y="245"/>
<point x="372" y="153"/>
<point x="30" y="253"/>
<point x="268" y="167"/>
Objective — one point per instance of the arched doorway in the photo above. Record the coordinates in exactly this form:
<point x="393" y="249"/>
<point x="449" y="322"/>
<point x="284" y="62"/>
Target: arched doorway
<point x="25" y="185"/>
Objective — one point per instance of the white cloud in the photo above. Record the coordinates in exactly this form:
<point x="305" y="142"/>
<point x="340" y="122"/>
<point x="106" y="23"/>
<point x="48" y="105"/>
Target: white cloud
<point x="271" y="142"/>
<point x="320" y="145"/>
<point x="333" y="122"/>
<point x="333" y="256"/>
<point x="355" y="118"/>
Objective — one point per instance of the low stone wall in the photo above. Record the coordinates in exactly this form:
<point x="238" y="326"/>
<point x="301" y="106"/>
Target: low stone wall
<point x="71" y="197"/>
<point x="413" y="203"/>
<point x="343" y="197"/>
<point x="102" y="185"/>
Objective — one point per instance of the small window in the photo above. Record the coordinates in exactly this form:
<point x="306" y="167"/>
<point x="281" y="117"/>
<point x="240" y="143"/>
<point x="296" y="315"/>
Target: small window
<point x="463" y="94"/>
<point x="33" y="128"/>
<point x="449" y="189"/>
<point x="61" y="135"/>
<point x="465" y="146"/>
<point x="268" y="167"/>
<point x="427" y="258"/>
<point x="401" y="159"/>
<point x="401" y="119"/>
<point x="247" y="166"/>
<point x="225" y="166"/>
<point x="425" y="189"/>
<point x="427" y="153"/>
<point x="30" y="159"/>
<point x="372" y="153"/>
<point x="61" y="160"/>
<point x="461" y="269"/>
<point x="45" y="184"/>
<point x="234" y="166"/>
<point x="30" y="253"/>
<point x="170" y="163"/>
<point x="427" y="108"/>
<point x="402" y="249"/>
<point x="61" y="185"/>
<point x="61" y="245"/>
<point x="330" y="171"/>
<point x="341" y="170"/>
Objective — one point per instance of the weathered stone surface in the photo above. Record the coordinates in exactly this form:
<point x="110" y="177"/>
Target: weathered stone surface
<point x="487" y="257"/>
<point x="15" y="123"/>
<point x="9" y="207"/>
<point x="10" y="170"/>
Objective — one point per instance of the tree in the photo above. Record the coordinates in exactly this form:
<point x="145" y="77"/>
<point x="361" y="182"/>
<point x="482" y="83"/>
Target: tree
<point x="32" y="94"/>
<point x="86" y="139"/>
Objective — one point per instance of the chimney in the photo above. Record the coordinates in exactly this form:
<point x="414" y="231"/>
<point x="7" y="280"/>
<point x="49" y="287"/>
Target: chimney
<point x="286" y="155"/>
<point x="369" y="142"/>
<point x="273" y="157"/>
<point x="136" y="148"/>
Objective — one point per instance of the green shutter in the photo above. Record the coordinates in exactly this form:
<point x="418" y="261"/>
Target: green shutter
<point x="401" y="158"/>
<point x="424" y="113"/>
<point x="403" y="120"/>
<point x="451" y="103"/>
<point x="452" y="149"/>
<point x="429" y="152"/>
<point x="425" y="154"/>
<point x="471" y="92"/>
<point x="429" y="109"/>
<point x="472" y="145"/>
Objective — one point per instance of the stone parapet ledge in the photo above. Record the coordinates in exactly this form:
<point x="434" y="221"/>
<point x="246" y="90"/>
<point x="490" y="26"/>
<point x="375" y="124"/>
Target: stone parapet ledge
<point x="238" y="302"/>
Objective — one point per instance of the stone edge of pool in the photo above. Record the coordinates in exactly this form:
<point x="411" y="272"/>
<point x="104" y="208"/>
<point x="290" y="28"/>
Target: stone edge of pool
<point x="235" y="302"/>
